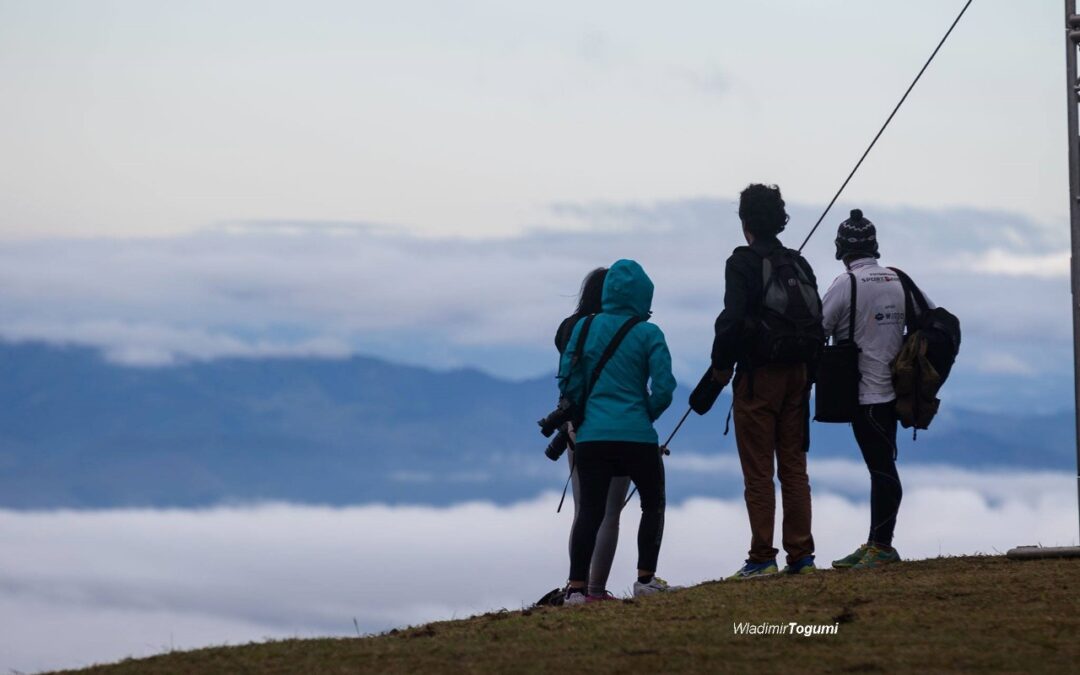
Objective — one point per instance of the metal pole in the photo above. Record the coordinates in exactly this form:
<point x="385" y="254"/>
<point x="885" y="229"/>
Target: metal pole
<point x="1072" y="33"/>
<point x="678" y="426"/>
<point x="886" y="125"/>
<point x="663" y="449"/>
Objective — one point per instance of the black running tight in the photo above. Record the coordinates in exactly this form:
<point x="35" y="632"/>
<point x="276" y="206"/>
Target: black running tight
<point x="597" y="462"/>
<point x="875" y="432"/>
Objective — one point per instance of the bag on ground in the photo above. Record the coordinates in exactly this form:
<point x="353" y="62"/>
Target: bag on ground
<point x="553" y="598"/>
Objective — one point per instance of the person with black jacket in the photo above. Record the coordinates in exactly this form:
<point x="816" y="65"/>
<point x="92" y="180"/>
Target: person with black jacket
<point x="771" y="399"/>
<point x="607" y="537"/>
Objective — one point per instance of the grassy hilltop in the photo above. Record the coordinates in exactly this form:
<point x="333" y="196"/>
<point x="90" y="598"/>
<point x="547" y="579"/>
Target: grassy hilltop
<point x="959" y="614"/>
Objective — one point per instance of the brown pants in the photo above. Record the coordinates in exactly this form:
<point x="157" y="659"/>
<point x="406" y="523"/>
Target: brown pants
<point x="771" y="419"/>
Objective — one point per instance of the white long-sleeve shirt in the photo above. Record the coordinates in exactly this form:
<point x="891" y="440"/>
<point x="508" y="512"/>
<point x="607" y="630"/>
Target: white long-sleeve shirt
<point x="879" y="324"/>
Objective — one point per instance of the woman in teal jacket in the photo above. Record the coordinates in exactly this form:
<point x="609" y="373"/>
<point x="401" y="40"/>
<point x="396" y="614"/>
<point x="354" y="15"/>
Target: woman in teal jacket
<point x="617" y="436"/>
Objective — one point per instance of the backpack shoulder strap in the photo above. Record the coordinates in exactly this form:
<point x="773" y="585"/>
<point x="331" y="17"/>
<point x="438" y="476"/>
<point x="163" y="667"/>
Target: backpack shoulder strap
<point x="610" y="351"/>
<point x="910" y="287"/>
<point x="851" y="313"/>
<point x="580" y="348"/>
<point x="803" y="266"/>
<point x="772" y="261"/>
<point x="912" y="297"/>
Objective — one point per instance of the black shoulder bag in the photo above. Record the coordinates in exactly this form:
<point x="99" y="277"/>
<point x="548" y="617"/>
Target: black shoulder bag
<point x="837" y="381"/>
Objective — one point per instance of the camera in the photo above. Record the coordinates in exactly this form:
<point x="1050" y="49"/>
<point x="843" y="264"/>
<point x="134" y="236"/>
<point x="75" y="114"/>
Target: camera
<point x="557" y="446"/>
<point x="564" y="412"/>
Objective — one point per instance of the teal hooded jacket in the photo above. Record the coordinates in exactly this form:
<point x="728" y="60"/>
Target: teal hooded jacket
<point x="623" y="404"/>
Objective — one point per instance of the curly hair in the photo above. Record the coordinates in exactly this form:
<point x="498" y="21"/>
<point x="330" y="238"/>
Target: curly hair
<point x="761" y="210"/>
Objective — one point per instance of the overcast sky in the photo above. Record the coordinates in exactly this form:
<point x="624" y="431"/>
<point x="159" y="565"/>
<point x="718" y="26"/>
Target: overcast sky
<point x="128" y="117"/>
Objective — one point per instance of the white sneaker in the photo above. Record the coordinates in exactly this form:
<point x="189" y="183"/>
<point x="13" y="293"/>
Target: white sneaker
<point x="657" y="585"/>
<point x="575" y="598"/>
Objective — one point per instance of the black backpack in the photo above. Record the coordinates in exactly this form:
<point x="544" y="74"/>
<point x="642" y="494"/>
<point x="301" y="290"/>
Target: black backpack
<point x="930" y="348"/>
<point x="788" y="329"/>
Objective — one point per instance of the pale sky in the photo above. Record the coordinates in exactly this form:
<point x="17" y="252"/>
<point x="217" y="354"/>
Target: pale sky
<point x="474" y="117"/>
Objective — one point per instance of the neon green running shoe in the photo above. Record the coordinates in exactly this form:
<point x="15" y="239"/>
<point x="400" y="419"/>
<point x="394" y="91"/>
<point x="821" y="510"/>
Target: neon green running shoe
<point x="851" y="560"/>
<point x="877" y="556"/>
<point x="804" y="565"/>
<point x="752" y="570"/>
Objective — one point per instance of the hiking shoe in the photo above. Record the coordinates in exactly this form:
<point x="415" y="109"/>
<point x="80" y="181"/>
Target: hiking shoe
<point x="804" y="565"/>
<point x="851" y="560"/>
<point x="575" y="597"/>
<point x="877" y="556"/>
<point x="657" y="585"/>
<point x="753" y="570"/>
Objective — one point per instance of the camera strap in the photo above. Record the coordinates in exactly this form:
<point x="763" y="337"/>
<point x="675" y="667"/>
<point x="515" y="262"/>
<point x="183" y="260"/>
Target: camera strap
<point x="608" y="353"/>
<point x="566" y="485"/>
<point x="579" y="349"/>
<point x="595" y="375"/>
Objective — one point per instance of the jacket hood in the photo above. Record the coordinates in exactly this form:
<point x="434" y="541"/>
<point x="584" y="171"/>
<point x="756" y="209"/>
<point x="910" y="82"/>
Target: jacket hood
<point x="627" y="290"/>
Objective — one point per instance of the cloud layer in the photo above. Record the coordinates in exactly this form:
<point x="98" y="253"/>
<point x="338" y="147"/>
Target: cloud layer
<point x="326" y="289"/>
<point x="81" y="587"/>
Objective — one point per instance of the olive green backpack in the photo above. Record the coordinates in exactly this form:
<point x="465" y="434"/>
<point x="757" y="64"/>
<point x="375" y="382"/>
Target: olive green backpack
<point x="926" y="358"/>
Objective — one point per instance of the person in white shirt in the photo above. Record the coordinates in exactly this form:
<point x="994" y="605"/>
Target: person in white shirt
<point x="879" y="335"/>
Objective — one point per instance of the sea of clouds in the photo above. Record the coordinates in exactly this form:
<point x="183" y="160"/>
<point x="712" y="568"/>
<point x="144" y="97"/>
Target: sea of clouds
<point x="79" y="587"/>
<point x="292" y="288"/>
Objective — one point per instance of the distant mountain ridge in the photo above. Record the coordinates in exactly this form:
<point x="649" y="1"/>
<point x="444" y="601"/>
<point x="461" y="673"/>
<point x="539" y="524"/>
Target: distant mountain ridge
<point x="78" y="431"/>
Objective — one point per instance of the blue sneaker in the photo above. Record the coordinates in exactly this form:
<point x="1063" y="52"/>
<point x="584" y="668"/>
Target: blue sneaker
<point x="804" y="565"/>
<point x="752" y="570"/>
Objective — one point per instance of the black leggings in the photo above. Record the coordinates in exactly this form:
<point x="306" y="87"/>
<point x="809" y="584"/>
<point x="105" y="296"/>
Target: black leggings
<point x="875" y="432"/>
<point x="597" y="462"/>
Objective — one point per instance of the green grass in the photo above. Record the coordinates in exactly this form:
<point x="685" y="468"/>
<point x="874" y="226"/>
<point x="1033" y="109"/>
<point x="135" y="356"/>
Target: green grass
<point x="984" y="614"/>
